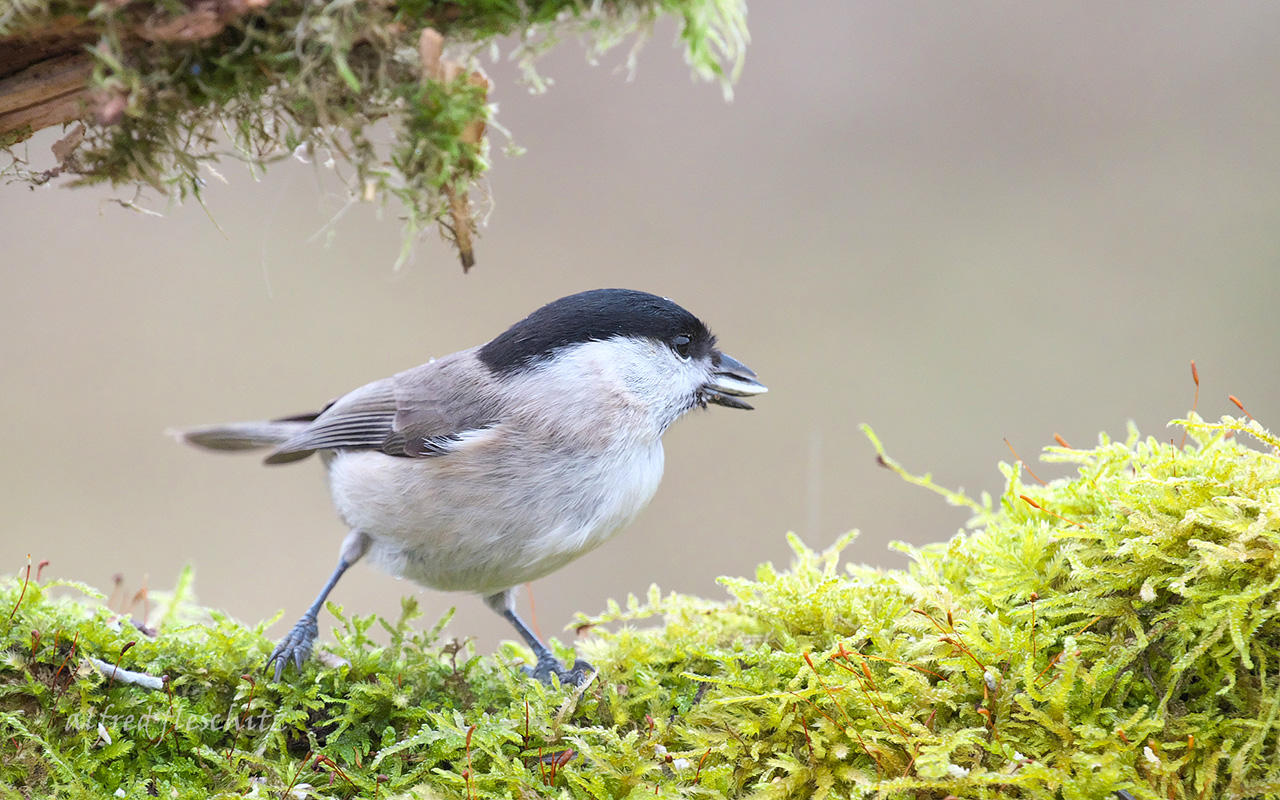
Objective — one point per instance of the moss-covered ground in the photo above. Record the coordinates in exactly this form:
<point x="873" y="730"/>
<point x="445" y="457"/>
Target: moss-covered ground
<point x="1118" y="630"/>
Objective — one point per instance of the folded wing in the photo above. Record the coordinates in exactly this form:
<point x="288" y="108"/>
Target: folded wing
<point x="418" y="413"/>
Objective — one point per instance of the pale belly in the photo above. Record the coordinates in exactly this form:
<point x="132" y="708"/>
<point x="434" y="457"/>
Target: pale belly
<point x="464" y="522"/>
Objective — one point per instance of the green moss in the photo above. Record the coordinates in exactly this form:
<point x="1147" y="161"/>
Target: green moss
<point x="313" y="77"/>
<point x="14" y="137"/>
<point x="1116" y="630"/>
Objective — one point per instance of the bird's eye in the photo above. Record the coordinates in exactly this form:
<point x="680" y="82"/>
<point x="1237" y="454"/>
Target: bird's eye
<point x="681" y="345"/>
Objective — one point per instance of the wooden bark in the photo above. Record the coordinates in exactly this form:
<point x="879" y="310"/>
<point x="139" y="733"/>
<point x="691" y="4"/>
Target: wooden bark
<point x="43" y="78"/>
<point x="44" y="71"/>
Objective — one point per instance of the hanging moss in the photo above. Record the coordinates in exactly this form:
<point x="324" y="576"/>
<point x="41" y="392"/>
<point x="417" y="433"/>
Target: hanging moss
<point x="1118" y="630"/>
<point x="174" y="83"/>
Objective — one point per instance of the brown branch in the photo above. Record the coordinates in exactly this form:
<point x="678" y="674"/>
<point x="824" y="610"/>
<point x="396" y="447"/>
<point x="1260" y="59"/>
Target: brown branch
<point x="54" y="38"/>
<point x="44" y="70"/>
<point x="47" y="93"/>
<point x="44" y="67"/>
<point x="43" y="73"/>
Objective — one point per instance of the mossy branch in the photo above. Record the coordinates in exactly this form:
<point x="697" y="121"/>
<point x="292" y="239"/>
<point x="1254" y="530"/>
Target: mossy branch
<point x="1115" y="631"/>
<point x="160" y="86"/>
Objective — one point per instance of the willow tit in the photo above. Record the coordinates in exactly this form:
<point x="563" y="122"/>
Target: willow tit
<point x="497" y="465"/>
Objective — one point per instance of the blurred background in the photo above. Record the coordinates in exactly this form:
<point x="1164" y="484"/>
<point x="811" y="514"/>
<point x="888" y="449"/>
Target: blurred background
<point x="955" y="222"/>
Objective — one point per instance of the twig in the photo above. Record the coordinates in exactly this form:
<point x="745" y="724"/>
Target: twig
<point x="116" y="672"/>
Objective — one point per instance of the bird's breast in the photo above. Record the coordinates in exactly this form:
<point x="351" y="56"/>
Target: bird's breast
<point x="498" y="510"/>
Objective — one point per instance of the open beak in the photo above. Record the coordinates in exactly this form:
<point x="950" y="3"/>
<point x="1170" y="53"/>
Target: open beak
<point x="731" y="380"/>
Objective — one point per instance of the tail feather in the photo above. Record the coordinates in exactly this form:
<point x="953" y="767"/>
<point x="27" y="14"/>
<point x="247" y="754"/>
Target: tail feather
<point x="240" y="436"/>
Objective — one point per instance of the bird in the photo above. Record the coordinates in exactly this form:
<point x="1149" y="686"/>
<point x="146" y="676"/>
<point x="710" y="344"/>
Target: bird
<point x="497" y="465"/>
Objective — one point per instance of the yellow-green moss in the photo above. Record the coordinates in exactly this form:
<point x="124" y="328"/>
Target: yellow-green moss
<point x="1119" y="630"/>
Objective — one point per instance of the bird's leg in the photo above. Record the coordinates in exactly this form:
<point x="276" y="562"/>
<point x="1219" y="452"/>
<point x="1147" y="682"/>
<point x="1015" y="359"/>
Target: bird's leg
<point x="548" y="664"/>
<point x="297" y="643"/>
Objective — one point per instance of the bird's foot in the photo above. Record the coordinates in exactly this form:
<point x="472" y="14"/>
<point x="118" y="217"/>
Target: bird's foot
<point x="295" y="646"/>
<point x="548" y="665"/>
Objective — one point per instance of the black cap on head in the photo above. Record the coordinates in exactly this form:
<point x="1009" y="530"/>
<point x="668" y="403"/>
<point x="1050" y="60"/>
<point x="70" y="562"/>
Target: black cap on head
<point x="593" y="316"/>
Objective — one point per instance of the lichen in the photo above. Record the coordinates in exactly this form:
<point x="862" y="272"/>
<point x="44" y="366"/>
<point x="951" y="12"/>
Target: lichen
<point x="1116" y="630"/>
<point x="174" y="84"/>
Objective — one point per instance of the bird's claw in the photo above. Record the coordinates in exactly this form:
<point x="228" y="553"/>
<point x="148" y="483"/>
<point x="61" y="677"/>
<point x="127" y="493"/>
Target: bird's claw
<point x="295" y="646"/>
<point x="548" y="665"/>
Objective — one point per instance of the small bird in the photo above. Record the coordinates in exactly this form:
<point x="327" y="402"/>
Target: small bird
<point x="497" y="465"/>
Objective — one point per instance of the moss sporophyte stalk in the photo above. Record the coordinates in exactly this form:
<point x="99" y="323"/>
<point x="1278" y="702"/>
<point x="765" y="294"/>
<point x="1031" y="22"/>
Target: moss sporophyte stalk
<point x="1115" y="631"/>
<point x="166" y="89"/>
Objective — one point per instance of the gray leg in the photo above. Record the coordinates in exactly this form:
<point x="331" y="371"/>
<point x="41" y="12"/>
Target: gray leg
<point x="297" y="644"/>
<point x="548" y="664"/>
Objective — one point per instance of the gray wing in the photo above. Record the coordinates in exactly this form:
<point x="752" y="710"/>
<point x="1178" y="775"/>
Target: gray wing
<point x="418" y="413"/>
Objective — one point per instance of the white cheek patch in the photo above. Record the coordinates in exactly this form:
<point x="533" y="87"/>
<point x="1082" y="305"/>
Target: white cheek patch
<point x="642" y="375"/>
